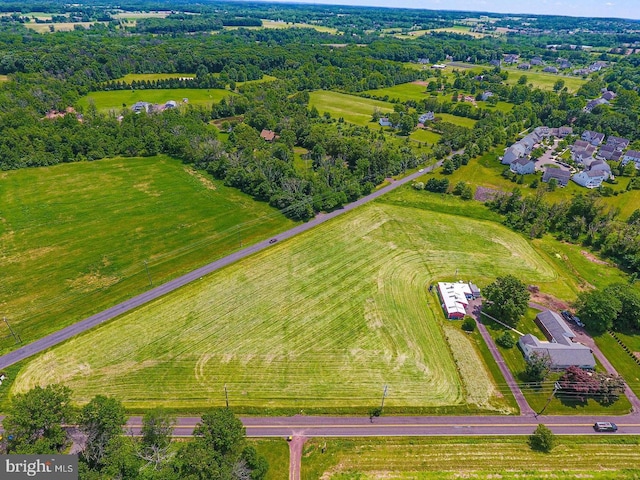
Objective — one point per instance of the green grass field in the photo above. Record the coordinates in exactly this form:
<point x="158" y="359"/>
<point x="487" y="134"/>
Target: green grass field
<point x="153" y="76"/>
<point x="321" y="322"/>
<point x="59" y="27"/>
<point x="447" y="458"/>
<point x="74" y="237"/>
<point x="357" y="110"/>
<point x="119" y="99"/>
<point x="276" y="451"/>
<point x="542" y="80"/>
<point x="425" y="136"/>
<point x="403" y="92"/>
<point x="460" y="121"/>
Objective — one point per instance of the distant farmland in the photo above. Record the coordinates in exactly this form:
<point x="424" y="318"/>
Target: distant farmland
<point x="319" y="322"/>
<point x="353" y="109"/>
<point x="119" y="99"/>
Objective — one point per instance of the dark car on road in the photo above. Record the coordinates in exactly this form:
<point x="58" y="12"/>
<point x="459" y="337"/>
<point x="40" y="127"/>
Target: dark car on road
<point x="605" y="427"/>
<point x="273" y="240"/>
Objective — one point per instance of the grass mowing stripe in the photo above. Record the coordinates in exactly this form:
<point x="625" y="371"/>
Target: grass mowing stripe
<point x="320" y="321"/>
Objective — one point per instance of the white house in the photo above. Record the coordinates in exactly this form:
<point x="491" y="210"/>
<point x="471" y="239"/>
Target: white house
<point x="632" y="156"/>
<point x="590" y="178"/>
<point x="523" y="166"/>
<point x="455" y="298"/>
<point x="384" y="122"/>
<point x="426" y="117"/>
<point x="594" y="138"/>
<point x="514" y="152"/>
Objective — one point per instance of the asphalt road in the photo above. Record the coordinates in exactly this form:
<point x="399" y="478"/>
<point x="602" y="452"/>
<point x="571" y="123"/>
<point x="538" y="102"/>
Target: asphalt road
<point x="303" y="426"/>
<point x="135" y="302"/>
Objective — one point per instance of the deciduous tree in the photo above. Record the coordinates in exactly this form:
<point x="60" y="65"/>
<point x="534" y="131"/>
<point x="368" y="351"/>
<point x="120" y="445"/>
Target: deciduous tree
<point x="507" y="299"/>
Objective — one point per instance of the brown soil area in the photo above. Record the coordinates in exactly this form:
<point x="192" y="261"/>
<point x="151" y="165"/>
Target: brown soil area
<point x="592" y="258"/>
<point x="484" y="194"/>
<point x="420" y="82"/>
<point x="549" y="301"/>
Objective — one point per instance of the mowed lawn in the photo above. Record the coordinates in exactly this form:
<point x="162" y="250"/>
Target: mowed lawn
<point x="322" y="321"/>
<point x="403" y="92"/>
<point x="544" y="81"/>
<point x="119" y="99"/>
<point x="353" y="109"/>
<point x="448" y="458"/>
<point x="74" y="237"/>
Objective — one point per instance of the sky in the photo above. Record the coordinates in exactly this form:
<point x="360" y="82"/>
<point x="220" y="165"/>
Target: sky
<point x="575" y="8"/>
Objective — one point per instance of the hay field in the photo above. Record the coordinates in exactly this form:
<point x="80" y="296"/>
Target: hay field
<point x="59" y="27"/>
<point x="448" y="458"/>
<point x="543" y="80"/>
<point x="118" y="99"/>
<point x="73" y="237"/>
<point x="353" y="109"/>
<point x="321" y="321"/>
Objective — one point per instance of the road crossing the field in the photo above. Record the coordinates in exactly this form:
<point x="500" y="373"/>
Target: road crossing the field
<point x="146" y="297"/>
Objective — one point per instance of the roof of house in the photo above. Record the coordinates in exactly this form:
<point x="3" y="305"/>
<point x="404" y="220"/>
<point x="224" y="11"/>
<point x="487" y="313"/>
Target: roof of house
<point x="562" y="176"/>
<point x="556" y="326"/>
<point x="611" y="140"/>
<point x="580" y="144"/>
<point x="523" y="161"/>
<point x="454" y="296"/>
<point x="599" y="165"/>
<point x="593" y="135"/>
<point x="268" y="135"/>
<point x="632" y="154"/>
<point x="561" y="355"/>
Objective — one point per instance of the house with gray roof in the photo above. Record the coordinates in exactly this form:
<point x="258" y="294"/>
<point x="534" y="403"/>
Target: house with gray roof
<point x="632" y="156"/>
<point x="560" y="347"/>
<point x="565" y="131"/>
<point x="523" y="166"/>
<point x="590" y="178"/>
<point x="561" y="176"/>
<point x="618" y="143"/>
<point x="550" y="69"/>
<point x="594" y="138"/>
<point x="514" y="152"/>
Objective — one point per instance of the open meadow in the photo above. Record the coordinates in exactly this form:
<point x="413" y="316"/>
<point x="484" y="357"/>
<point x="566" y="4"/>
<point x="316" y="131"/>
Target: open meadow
<point x="74" y="237"/>
<point x="543" y="80"/>
<point x="320" y="322"/>
<point x="448" y="458"/>
<point x="59" y="26"/>
<point x="116" y="100"/>
<point x="353" y="109"/>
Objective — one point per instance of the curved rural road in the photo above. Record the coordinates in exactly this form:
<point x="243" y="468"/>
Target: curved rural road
<point x="135" y="302"/>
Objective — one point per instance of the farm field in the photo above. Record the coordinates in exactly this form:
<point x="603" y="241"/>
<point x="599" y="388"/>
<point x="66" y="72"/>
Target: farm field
<point x="317" y="323"/>
<point x="436" y="458"/>
<point x="319" y="28"/>
<point x="403" y="92"/>
<point x="153" y="76"/>
<point x="84" y="230"/>
<point x="139" y="15"/>
<point x="356" y="110"/>
<point x="59" y="27"/>
<point x="114" y="100"/>
<point x="425" y="136"/>
<point x="542" y="80"/>
<point x="460" y="121"/>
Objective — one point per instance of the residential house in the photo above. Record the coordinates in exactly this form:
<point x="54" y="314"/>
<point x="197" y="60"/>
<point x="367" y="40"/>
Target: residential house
<point x="142" y="107"/>
<point x="608" y="95"/>
<point x="589" y="178"/>
<point x="597" y="66"/>
<point x="618" y="143"/>
<point x="537" y="61"/>
<point x="385" y="122"/>
<point x="427" y="117"/>
<point x="583" y="155"/>
<point x="511" y="58"/>
<point x="543" y="131"/>
<point x="561" y="176"/>
<point x="609" y="152"/>
<point x="423" y="61"/>
<point x="268" y="135"/>
<point x="171" y="104"/>
<point x="581" y="71"/>
<point x="455" y="298"/>
<point x="495" y="63"/>
<point x="564" y="64"/>
<point x="591" y="104"/>
<point x="438" y="66"/>
<point x="524" y="66"/>
<point x="485" y="96"/>
<point x="632" y="156"/>
<point x="600" y="166"/>
<point x="523" y="166"/>
<point x="514" y="152"/>
<point x="565" y="131"/>
<point x="580" y="144"/>
<point x="594" y="138"/>
<point x="550" y="69"/>
<point x="560" y="347"/>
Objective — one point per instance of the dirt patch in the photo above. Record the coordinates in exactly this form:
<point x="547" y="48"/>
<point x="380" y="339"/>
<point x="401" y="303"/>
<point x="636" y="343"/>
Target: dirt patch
<point x="592" y="258"/>
<point x="484" y="194"/>
<point x="637" y="355"/>
<point x="92" y="281"/>
<point x="549" y="301"/>
<point x="208" y="184"/>
<point x="420" y="82"/>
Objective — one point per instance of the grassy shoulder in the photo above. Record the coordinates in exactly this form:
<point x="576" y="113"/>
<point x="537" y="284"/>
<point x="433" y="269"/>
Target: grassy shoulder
<point x="88" y="232"/>
<point x="595" y="457"/>
<point x="276" y="451"/>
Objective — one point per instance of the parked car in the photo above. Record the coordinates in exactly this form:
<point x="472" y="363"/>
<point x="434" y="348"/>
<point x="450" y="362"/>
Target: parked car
<point x="605" y="427"/>
<point x="578" y="321"/>
<point x="566" y="314"/>
<point x="273" y="240"/>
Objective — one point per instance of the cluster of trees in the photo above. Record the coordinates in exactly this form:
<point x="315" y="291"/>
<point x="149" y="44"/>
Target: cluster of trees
<point x="35" y="425"/>
<point x="583" y="218"/>
<point x="187" y="23"/>
<point x="616" y="307"/>
<point x="579" y="384"/>
<point x="506" y="299"/>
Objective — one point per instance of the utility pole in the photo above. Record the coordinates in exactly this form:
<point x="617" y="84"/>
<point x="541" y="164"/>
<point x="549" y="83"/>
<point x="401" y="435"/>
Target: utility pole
<point x="15" y="336"/>
<point x="226" y="395"/>
<point x="384" y="394"/>
<point x="556" y="387"/>
<point x="146" y="267"/>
